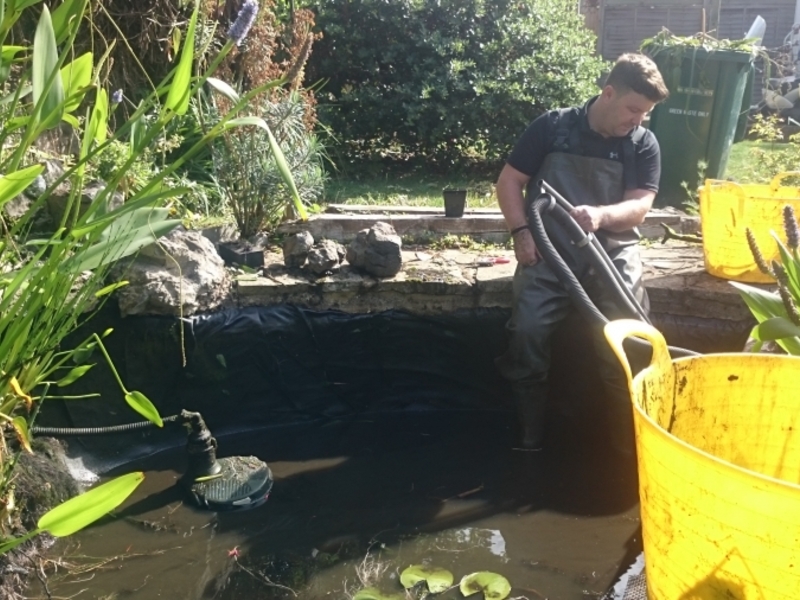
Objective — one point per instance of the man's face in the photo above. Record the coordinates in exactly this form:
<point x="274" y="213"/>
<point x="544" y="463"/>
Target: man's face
<point x="626" y="111"/>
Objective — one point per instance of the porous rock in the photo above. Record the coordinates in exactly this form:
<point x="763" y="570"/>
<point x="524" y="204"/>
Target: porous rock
<point x="325" y="256"/>
<point x="377" y="250"/>
<point x="296" y="248"/>
<point x="183" y="269"/>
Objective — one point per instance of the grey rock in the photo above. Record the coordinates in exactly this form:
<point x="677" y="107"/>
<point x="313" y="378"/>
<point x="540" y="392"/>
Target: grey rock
<point x="259" y="241"/>
<point x="296" y="248"/>
<point x="183" y="269"/>
<point x="377" y="251"/>
<point x="36" y="188"/>
<point x="325" y="256"/>
<point x="57" y="203"/>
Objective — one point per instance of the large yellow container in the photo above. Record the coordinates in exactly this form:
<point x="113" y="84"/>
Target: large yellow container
<point x="726" y="209"/>
<point x="718" y="442"/>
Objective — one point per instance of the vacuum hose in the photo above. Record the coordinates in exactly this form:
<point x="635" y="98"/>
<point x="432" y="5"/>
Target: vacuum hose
<point x="65" y="431"/>
<point x="551" y="201"/>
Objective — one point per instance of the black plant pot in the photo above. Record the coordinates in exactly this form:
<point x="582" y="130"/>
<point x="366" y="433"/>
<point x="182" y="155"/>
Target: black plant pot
<point x="454" y="202"/>
<point x="235" y="253"/>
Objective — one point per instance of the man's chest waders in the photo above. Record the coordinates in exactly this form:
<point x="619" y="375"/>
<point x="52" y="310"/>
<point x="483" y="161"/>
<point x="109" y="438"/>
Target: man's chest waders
<point x="541" y="302"/>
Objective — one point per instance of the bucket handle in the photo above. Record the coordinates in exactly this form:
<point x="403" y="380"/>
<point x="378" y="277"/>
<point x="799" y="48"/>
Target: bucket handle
<point x="775" y="184"/>
<point x="617" y="331"/>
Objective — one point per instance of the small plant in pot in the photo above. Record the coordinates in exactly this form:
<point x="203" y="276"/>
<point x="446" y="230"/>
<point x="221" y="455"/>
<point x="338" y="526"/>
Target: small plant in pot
<point x="253" y="178"/>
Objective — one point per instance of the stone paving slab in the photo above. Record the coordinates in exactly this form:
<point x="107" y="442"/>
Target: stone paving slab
<point x="427" y="222"/>
<point x="433" y="281"/>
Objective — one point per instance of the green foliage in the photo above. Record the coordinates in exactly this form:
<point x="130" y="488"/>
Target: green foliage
<point x="777" y="312"/>
<point x="447" y="80"/>
<point x="771" y="152"/>
<point x="51" y="284"/>
<point x="666" y="39"/>
<point x="250" y="176"/>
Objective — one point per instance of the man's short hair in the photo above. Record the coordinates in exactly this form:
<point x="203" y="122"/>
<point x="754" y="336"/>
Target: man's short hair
<point x="638" y="73"/>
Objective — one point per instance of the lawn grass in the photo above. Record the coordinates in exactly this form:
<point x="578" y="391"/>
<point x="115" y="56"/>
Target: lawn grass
<point x="415" y="189"/>
<point x="740" y="166"/>
<point x="425" y="189"/>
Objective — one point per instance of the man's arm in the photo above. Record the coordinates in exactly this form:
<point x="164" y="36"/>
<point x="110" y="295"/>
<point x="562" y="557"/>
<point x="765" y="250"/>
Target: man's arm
<point x="511" y="198"/>
<point x="618" y="217"/>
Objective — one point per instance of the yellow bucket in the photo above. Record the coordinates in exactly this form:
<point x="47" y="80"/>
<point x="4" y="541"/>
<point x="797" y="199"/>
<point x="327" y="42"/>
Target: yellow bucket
<point x="718" y="442"/>
<point x="726" y="209"/>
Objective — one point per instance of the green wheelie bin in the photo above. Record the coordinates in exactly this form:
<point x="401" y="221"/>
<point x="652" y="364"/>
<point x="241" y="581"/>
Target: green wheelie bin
<point x="699" y="121"/>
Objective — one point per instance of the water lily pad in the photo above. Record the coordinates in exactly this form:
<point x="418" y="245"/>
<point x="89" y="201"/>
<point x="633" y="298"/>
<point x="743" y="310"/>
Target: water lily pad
<point x="438" y="580"/>
<point x="372" y="593"/>
<point x="493" y="586"/>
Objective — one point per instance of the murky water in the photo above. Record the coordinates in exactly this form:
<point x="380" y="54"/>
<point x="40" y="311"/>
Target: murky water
<point x="356" y="502"/>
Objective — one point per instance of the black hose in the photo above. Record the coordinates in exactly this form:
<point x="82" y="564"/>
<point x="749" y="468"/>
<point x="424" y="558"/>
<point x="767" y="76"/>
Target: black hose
<point x="574" y="289"/>
<point x="125" y="427"/>
<point x="610" y="269"/>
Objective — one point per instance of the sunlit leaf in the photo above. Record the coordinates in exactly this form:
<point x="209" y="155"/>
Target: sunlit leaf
<point x="142" y="405"/>
<point x="789" y="264"/>
<point x="17" y="389"/>
<point x="493" y="586"/>
<point x="13" y="184"/>
<point x="774" y="329"/>
<point x="72" y="120"/>
<point x="180" y="89"/>
<point x="438" y="580"/>
<point x="73" y="375"/>
<point x="110" y="288"/>
<point x="45" y="63"/>
<point x="76" y="78"/>
<point x="223" y="88"/>
<point x="80" y="511"/>
<point x="177" y="34"/>
<point x="97" y="130"/>
<point x="125" y="235"/>
<point x="20" y="426"/>
<point x="7" y="56"/>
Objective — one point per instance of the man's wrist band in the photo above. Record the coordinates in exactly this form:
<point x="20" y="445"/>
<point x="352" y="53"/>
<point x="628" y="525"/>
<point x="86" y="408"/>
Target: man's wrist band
<point x="516" y="230"/>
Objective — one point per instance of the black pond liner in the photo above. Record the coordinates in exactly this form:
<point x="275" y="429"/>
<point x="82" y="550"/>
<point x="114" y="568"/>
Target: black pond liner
<point x="285" y="366"/>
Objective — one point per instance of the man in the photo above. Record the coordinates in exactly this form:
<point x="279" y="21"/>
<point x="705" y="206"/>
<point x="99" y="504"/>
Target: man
<point x="604" y="163"/>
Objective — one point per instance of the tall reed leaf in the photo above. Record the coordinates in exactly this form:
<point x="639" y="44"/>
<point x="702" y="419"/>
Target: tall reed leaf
<point x="180" y="90"/>
<point x="45" y="62"/>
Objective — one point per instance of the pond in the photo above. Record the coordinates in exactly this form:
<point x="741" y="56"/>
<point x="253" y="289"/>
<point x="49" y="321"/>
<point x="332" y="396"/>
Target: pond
<point x="358" y="500"/>
<point x="391" y="441"/>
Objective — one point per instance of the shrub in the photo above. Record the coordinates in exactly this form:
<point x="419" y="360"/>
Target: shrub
<point x="249" y="175"/>
<point x="443" y="79"/>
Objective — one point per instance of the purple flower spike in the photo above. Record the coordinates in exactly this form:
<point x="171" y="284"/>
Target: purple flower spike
<point x="116" y="97"/>
<point x="244" y="21"/>
<point x="790" y="225"/>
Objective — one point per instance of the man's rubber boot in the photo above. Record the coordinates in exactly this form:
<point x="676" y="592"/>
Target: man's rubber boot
<point x="531" y="402"/>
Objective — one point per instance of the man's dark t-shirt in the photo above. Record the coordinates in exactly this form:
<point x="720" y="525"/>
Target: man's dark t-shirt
<point x="537" y="141"/>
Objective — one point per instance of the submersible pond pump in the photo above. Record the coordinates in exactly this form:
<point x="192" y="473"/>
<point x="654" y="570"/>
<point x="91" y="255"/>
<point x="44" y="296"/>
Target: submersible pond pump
<point x="230" y="483"/>
<point x="234" y="482"/>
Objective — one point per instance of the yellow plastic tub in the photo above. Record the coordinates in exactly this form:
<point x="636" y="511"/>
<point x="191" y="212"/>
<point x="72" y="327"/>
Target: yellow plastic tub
<point x="726" y="209"/>
<point x="718" y="443"/>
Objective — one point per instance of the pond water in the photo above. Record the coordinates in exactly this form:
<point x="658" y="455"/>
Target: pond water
<point x="355" y="502"/>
